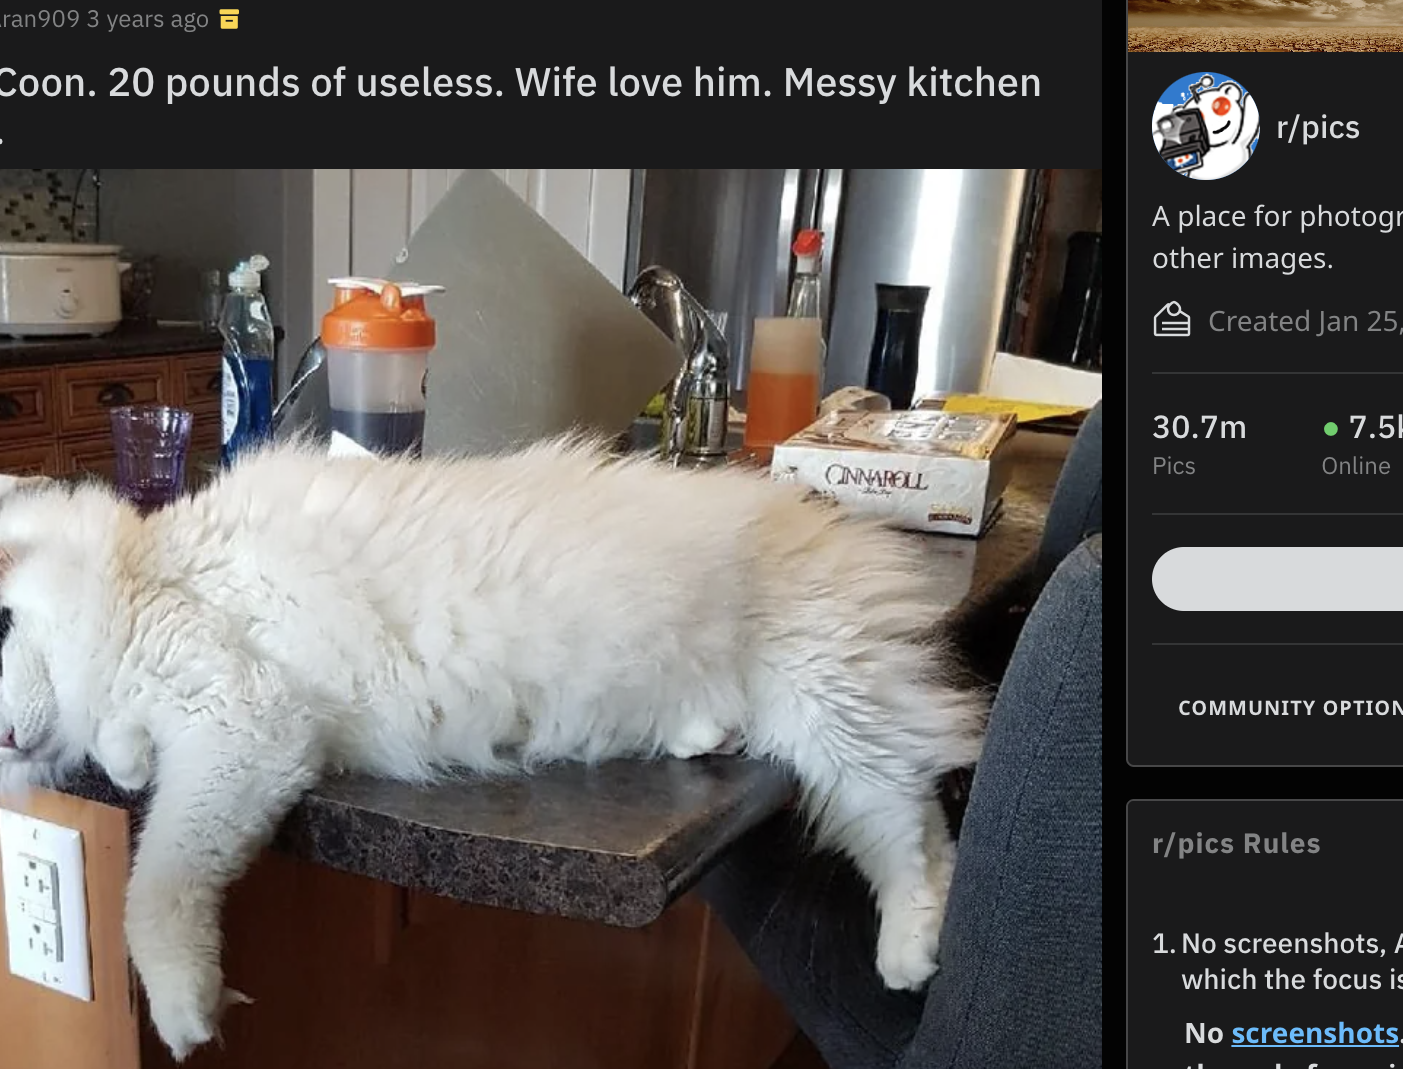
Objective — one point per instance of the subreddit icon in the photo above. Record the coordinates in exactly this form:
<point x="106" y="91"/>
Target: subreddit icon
<point x="1206" y="126"/>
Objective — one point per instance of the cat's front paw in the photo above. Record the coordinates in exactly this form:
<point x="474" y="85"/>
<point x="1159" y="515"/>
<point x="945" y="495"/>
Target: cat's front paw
<point x="127" y="754"/>
<point x="185" y="1006"/>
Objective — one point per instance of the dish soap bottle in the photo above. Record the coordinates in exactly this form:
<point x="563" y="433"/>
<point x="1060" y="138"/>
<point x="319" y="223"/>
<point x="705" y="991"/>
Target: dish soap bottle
<point x="247" y="409"/>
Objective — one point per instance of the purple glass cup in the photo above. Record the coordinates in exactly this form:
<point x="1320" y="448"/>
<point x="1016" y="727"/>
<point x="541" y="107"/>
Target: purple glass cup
<point x="151" y="443"/>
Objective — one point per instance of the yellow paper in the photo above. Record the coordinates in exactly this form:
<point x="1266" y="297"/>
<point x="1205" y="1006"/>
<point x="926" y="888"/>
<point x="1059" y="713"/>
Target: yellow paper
<point x="1026" y="411"/>
<point x="654" y="408"/>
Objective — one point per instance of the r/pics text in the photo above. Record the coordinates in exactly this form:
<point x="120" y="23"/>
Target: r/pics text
<point x="1321" y="129"/>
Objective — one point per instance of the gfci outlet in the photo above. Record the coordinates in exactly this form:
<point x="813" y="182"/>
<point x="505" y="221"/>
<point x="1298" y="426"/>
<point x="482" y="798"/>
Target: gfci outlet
<point x="46" y="906"/>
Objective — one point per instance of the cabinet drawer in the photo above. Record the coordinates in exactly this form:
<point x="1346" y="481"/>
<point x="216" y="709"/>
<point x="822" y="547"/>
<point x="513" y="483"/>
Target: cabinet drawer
<point x="205" y="434"/>
<point x="26" y="404"/>
<point x="39" y="459"/>
<point x="86" y="391"/>
<point x="197" y="382"/>
<point x="198" y="386"/>
<point x="94" y="455"/>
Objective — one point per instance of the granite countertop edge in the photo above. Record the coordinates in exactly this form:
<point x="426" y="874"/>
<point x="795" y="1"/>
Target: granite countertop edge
<point x="479" y="867"/>
<point x="128" y="341"/>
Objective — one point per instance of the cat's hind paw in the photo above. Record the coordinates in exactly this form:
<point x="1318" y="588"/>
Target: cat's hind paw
<point x="908" y="939"/>
<point x="906" y="953"/>
<point x="696" y="737"/>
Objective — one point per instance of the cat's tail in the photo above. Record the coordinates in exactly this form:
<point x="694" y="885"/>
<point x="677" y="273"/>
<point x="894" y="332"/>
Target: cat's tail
<point x="847" y="672"/>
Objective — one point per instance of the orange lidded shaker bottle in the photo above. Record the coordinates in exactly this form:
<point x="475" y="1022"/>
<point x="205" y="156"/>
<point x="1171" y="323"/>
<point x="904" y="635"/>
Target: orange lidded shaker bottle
<point x="377" y="337"/>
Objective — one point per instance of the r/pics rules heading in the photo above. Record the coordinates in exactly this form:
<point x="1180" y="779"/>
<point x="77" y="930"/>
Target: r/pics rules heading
<point x="1176" y="846"/>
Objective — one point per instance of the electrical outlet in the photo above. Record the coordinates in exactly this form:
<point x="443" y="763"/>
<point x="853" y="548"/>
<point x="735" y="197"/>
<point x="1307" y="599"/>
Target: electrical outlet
<point x="38" y="911"/>
<point x="44" y="942"/>
<point x="38" y="882"/>
<point x="38" y="878"/>
<point x="46" y="912"/>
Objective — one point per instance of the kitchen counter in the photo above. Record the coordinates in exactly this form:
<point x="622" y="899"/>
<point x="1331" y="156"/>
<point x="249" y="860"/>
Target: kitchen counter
<point x="617" y="843"/>
<point x="129" y="339"/>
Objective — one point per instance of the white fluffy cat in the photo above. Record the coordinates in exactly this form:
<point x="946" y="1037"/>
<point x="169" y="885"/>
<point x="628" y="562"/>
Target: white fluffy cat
<point x="401" y="618"/>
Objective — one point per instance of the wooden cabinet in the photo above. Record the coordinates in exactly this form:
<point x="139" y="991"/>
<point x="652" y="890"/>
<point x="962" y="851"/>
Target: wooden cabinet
<point x="54" y="420"/>
<point x="86" y="392"/>
<point x="26" y="405"/>
<point x="351" y="973"/>
<point x="39" y="459"/>
<point x="97" y="456"/>
<point x="198" y="385"/>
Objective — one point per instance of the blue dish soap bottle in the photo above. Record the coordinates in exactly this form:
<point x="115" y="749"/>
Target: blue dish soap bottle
<point x="247" y="409"/>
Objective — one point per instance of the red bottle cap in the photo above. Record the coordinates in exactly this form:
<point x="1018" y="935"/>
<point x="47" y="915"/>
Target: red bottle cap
<point x="808" y="243"/>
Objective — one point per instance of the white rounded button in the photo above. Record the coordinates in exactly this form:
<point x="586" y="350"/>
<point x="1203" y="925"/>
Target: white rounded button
<point x="1280" y="578"/>
<point x="67" y="304"/>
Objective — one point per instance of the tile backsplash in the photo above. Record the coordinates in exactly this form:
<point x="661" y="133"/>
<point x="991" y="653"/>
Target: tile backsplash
<point x="36" y="204"/>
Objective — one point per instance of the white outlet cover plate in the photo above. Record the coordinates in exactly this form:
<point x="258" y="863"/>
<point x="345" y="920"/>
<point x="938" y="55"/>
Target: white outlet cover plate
<point x="22" y="835"/>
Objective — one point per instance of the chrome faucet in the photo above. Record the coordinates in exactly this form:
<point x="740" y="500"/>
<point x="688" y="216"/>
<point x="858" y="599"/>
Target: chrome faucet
<point x="697" y="407"/>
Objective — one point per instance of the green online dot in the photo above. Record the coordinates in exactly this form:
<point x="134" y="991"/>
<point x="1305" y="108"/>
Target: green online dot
<point x="1330" y="429"/>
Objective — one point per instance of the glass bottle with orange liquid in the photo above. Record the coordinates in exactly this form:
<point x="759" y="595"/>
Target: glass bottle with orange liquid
<point x="786" y="357"/>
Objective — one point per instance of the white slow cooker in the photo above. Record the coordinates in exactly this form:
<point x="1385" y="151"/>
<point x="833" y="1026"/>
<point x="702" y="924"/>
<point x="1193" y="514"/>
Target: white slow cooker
<point x="59" y="289"/>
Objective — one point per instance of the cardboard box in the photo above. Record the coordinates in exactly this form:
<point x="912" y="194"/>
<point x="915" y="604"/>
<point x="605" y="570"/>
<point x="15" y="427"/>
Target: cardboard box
<point x="921" y="470"/>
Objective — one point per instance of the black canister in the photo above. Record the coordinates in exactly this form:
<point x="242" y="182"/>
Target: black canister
<point x="896" y="344"/>
<point x="1075" y="337"/>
